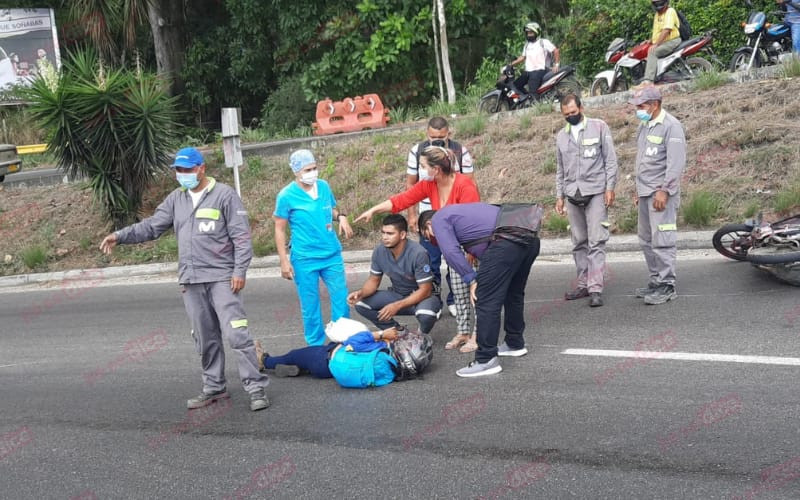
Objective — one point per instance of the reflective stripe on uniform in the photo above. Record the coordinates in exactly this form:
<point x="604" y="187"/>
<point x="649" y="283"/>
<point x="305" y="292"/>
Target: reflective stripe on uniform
<point x="239" y="323"/>
<point x="668" y="227"/>
<point x="207" y="213"/>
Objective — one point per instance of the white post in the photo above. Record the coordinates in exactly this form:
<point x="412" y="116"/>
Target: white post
<point x="231" y="146"/>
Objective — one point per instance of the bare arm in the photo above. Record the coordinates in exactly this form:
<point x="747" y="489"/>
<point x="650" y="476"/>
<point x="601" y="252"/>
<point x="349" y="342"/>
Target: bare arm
<point x="368" y="289"/>
<point x="381" y="208"/>
<point x="280" y="242"/>
<point x="412" y="210"/>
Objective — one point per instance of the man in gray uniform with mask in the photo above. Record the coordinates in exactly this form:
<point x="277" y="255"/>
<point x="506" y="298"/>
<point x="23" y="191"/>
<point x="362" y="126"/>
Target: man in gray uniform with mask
<point x="214" y="252"/>
<point x="586" y="175"/>
<point x="660" y="160"/>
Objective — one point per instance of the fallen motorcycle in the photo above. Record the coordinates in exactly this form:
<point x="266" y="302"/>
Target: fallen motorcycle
<point x="771" y="246"/>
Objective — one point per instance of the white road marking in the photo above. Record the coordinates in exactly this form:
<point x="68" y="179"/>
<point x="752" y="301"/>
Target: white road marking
<point x="686" y="356"/>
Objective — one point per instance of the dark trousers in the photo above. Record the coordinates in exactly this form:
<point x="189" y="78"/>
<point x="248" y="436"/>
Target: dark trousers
<point x="436" y="263"/>
<point x="313" y="359"/>
<point x="426" y="312"/>
<point x="532" y="78"/>
<point x="502" y="276"/>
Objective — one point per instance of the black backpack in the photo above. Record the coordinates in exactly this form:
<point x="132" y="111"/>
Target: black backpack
<point x="454" y="147"/>
<point x="685" y="29"/>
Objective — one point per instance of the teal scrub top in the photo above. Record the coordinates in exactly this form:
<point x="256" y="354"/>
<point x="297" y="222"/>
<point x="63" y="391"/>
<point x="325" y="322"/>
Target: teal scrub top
<point x="310" y="220"/>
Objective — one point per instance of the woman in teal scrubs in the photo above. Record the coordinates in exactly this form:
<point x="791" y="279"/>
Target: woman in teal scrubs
<point x="307" y="206"/>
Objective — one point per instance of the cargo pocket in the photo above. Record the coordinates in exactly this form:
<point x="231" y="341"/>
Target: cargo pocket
<point x="666" y="235"/>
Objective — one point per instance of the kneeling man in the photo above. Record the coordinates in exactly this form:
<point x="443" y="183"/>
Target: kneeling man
<point x="409" y="269"/>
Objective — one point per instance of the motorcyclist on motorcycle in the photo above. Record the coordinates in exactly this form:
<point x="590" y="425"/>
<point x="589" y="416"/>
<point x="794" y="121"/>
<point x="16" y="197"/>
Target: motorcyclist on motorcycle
<point x="666" y="38"/>
<point x="536" y="53"/>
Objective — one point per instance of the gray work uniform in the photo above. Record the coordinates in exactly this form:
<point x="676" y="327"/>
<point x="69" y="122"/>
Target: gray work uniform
<point x="587" y="166"/>
<point x="411" y="269"/>
<point x="660" y="160"/>
<point x="213" y="246"/>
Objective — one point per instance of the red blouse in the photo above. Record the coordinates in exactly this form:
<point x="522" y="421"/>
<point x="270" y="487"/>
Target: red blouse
<point x="463" y="191"/>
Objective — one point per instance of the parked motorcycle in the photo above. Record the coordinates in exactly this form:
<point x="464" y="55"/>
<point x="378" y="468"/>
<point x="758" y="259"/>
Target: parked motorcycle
<point x="767" y="43"/>
<point x="629" y="65"/>
<point x="773" y="247"/>
<point x="507" y="96"/>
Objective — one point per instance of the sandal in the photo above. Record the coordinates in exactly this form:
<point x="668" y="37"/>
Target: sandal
<point x="470" y="346"/>
<point x="457" y="341"/>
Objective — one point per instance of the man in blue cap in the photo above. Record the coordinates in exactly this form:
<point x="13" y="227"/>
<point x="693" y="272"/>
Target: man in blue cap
<point x="214" y="252"/>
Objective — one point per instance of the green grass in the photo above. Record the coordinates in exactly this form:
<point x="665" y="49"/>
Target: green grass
<point x="751" y="209"/>
<point x="787" y="199"/>
<point x="629" y="221"/>
<point x="85" y="242"/>
<point x="525" y="122"/>
<point x="542" y="108"/>
<point x="710" y="79"/>
<point x="549" y="165"/>
<point x="556" y="224"/>
<point x="791" y="67"/>
<point x="34" y="256"/>
<point x="701" y="209"/>
<point x="254" y="165"/>
<point x="263" y="246"/>
<point x="471" y="126"/>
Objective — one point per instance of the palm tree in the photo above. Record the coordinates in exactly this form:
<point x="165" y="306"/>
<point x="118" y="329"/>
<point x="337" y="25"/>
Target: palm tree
<point x="116" y="127"/>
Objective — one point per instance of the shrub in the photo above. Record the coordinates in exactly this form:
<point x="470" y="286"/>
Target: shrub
<point x="791" y="67"/>
<point x="471" y="126"/>
<point x="556" y="224"/>
<point x="751" y="209"/>
<point x="701" y="209"/>
<point x="549" y="165"/>
<point x="629" y="221"/>
<point x="34" y="256"/>
<point x="286" y="108"/>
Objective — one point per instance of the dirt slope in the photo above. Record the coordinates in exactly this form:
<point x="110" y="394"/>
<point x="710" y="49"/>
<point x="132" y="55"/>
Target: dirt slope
<point x="743" y="140"/>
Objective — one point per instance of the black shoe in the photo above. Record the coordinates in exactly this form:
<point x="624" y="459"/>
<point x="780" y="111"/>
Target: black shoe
<point x="650" y="288"/>
<point x="282" y="371"/>
<point x="660" y="295"/>
<point x="596" y="299"/>
<point x="578" y="293"/>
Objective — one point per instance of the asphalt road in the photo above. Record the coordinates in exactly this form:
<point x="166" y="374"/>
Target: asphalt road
<point x="85" y="414"/>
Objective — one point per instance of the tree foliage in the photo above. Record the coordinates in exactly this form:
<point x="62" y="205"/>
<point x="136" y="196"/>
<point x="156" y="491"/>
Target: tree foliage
<point x="116" y="127"/>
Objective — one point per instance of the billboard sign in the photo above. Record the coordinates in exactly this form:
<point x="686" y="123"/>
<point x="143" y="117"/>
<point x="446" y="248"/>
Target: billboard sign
<point x="28" y="41"/>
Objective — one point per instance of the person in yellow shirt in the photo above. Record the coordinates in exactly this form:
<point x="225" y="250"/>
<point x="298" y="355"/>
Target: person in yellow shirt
<point x="666" y="38"/>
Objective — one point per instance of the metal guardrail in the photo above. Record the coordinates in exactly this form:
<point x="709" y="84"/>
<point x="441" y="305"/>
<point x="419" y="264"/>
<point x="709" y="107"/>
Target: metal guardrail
<point x="31" y="149"/>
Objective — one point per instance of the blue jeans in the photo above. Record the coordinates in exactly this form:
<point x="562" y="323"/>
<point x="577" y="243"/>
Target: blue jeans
<point x="795" y="26"/>
<point x="436" y="263"/>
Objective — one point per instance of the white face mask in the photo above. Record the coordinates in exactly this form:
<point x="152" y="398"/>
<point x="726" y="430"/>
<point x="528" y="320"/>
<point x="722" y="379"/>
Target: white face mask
<point x="425" y="174"/>
<point x="309" y="178"/>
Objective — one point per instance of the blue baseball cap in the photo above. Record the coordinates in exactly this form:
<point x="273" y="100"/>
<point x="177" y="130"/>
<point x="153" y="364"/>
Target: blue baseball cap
<point x="301" y="159"/>
<point x="188" y="158"/>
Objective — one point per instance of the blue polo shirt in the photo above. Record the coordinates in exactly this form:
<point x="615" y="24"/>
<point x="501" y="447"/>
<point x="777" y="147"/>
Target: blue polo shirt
<point x="407" y="272"/>
<point x="310" y="220"/>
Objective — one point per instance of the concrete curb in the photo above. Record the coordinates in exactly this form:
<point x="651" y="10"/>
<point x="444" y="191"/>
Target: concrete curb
<point x="689" y="240"/>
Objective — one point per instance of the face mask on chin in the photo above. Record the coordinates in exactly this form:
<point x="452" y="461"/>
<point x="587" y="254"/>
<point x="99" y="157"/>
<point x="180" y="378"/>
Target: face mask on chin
<point x="188" y="181"/>
<point x="309" y="178"/>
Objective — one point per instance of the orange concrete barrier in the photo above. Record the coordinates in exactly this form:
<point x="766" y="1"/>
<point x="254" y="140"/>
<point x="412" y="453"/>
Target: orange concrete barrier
<point x="350" y="115"/>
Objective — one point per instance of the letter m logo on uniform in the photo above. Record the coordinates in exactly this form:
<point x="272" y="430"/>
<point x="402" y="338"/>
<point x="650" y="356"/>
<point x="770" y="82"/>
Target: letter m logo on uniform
<point x="651" y="151"/>
<point x="588" y="153"/>
<point x="205" y="227"/>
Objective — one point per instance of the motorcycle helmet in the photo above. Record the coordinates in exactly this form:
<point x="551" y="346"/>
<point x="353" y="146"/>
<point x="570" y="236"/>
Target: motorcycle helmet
<point x="533" y="27"/>
<point x="658" y="5"/>
<point x="413" y="352"/>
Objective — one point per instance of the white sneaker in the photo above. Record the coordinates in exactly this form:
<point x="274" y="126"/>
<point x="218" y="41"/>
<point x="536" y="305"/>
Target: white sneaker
<point x="476" y="369"/>
<point x="451" y="308"/>
<point x="504" y="350"/>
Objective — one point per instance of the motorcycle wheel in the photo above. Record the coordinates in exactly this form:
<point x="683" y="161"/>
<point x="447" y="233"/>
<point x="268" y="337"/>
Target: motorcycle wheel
<point x="698" y="65"/>
<point x="774" y="258"/>
<point x="599" y="87"/>
<point x="568" y="85"/>
<point x="740" y="60"/>
<point x="492" y="104"/>
<point x="727" y="241"/>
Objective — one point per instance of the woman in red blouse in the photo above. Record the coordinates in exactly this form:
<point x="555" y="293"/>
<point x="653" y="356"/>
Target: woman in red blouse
<point x="452" y="187"/>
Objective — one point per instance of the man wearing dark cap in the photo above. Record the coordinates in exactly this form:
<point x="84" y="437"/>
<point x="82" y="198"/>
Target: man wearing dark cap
<point x="660" y="160"/>
<point x="214" y="252"/>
